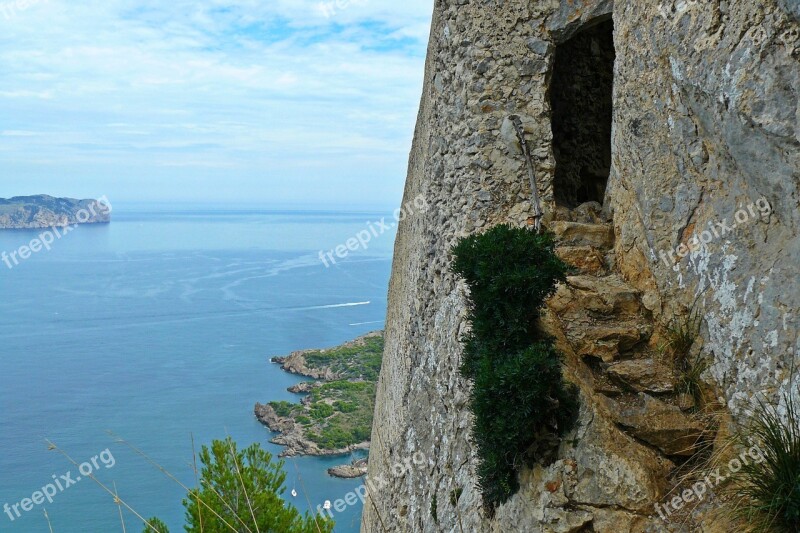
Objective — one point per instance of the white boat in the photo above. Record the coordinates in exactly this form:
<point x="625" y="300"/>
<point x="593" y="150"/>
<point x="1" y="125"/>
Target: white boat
<point x="327" y="505"/>
<point x="294" y="493"/>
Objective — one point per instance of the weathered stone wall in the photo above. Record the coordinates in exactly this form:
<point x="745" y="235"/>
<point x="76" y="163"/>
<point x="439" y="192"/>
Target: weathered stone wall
<point x="706" y="124"/>
<point x="705" y="120"/>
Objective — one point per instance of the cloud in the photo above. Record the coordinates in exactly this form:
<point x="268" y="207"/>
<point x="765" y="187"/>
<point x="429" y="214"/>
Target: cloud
<point x="210" y="85"/>
<point x="18" y="133"/>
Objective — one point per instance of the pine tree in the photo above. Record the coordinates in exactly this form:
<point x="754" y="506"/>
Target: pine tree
<point x="242" y="491"/>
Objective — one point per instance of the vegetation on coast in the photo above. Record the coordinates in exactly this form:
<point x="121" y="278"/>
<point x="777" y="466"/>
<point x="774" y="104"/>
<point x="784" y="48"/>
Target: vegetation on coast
<point x="336" y="412"/>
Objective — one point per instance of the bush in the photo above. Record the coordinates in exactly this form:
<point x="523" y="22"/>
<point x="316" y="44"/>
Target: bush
<point x="283" y="409"/>
<point x="320" y="411"/>
<point x="345" y="407"/>
<point x="241" y="490"/>
<point x="515" y="399"/>
<point x="238" y="485"/>
<point x="155" y="526"/>
<point x="334" y="438"/>
<point x="510" y="273"/>
<point x="768" y="492"/>
<point x="519" y="393"/>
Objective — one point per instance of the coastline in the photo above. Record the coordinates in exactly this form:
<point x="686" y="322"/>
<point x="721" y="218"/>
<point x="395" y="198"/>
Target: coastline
<point x="43" y="212"/>
<point x="290" y="435"/>
<point x="338" y="399"/>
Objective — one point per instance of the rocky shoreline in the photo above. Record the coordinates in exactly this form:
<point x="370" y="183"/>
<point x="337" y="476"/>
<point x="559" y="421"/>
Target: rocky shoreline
<point x="42" y="211"/>
<point x="296" y="362"/>
<point x="352" y="471"/>
<point x="291" y="435"/>
<point x="331" y="418"/>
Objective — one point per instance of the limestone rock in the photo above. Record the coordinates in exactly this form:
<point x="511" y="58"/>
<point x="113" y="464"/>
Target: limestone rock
<point x="304" y="387"/>
<point x="296" y="364"/>
<point x="606" y="341"/>
<point x="576" y="233"/>
<point x="586" y="258"/>
<point x="655" y="422"/>
<point x="612" y="469"/>
<point x="351" y="471"/>
<point x="643" y="375"/>
<point x="704" y="112"/>
<point x="617" y="295"/>
<point x="589" y="213"/>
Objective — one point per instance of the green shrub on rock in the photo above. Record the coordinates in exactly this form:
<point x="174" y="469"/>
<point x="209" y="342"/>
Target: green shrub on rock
<point x="519" y="394"/>
<point x="510" y="273"/>
<point x="767" y="491"/>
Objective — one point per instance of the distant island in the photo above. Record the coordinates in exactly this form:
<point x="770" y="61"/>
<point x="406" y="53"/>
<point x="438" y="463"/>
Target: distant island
<point x="42" y="211"/>
<point x="335" y="415"/>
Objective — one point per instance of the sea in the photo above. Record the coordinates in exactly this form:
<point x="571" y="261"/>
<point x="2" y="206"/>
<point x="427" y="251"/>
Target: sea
<point x="127" y="346"/>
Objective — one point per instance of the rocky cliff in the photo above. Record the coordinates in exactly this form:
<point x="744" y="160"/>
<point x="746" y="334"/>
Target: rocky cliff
<point x="700" y="210"/>
<point x="42" y="211"/>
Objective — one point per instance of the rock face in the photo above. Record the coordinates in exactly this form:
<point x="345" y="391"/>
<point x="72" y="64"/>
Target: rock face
<point x="295" y="363"/>
<point x="31" y="212"/>
<point x="351" y="471"/>
<point x="706" y="138"/>
<point x="704" y="130"/>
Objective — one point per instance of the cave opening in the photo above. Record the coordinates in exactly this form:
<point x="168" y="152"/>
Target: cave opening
<point x="581" y="98"/>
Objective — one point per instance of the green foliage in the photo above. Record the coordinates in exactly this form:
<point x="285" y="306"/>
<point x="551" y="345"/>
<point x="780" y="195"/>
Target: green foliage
<point x="334" y="437"/>
<point x="284" y="409"/>
<point x="519" y="393"/>
<point x="348" y="420"/>
<point x="510" y="273"/>
<point x="350" y="391"/>
<point x="156" y="526"/>
<point x="682" y="332"/>
<point x="361" y="361"/>
<point x="514" y="398"/>
<point x="243" y="489"/>
<point x="338" y="414"/>
<point x="769" y="491"/>
<point x="321" y="411"/>
<point x="680" y="336"/>
<point x="345" y="407"/>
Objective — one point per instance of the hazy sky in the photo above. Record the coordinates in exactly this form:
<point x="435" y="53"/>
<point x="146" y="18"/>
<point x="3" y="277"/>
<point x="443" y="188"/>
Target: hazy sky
<point x="264" y="101"/>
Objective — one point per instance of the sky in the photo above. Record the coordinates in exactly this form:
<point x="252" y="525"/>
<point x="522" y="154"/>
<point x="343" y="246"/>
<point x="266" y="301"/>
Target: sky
<point x="265" y="102"/>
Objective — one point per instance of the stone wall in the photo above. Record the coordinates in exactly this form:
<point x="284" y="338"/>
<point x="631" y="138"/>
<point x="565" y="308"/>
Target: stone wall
<point x="706" y="124"/>
<point x="705" y="121"/>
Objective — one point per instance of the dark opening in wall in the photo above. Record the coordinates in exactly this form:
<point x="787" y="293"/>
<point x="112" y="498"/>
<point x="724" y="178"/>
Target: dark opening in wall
<point x="581" y="98"/>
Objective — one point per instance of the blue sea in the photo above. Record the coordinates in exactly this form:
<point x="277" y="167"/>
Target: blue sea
<point x="158" y="328"/>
